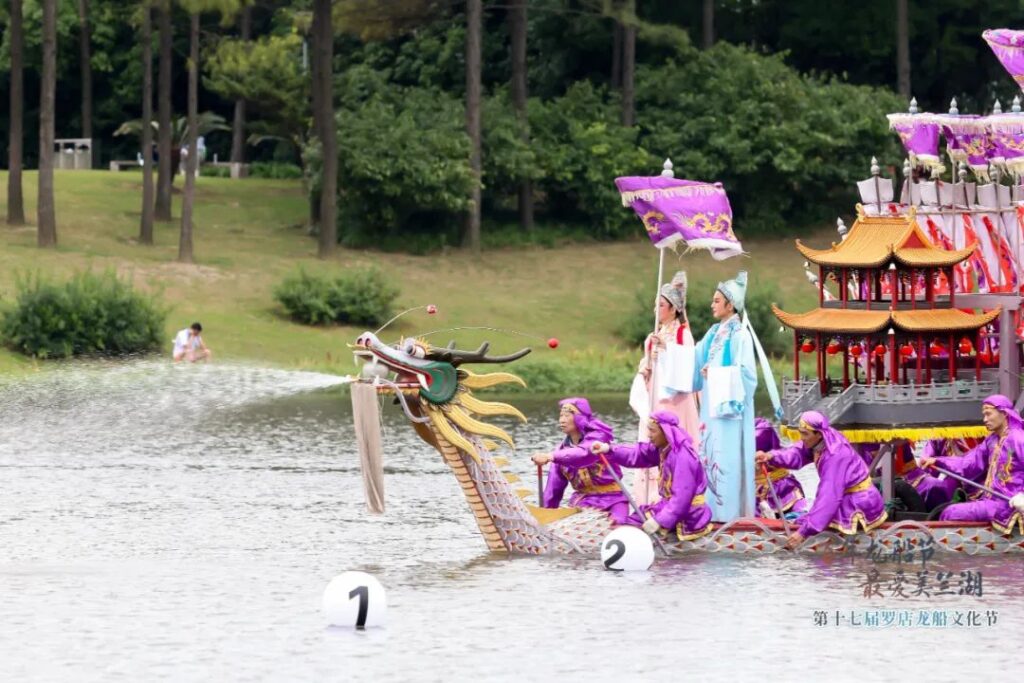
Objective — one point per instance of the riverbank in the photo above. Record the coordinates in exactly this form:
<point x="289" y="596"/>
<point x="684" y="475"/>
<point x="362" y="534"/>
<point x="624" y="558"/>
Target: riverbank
<point x="250" y="234"/>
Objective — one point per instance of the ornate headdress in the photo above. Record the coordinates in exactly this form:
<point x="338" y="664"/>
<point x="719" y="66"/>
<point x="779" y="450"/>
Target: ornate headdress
<point x="675" y="292"/>
<point x="735" y="290"/>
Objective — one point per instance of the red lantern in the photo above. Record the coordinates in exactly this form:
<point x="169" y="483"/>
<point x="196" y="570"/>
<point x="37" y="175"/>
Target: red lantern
<point x="906" y="350"/>
<point x="807" y="346"/>
<point x="965" y="346"/>
<point x="880" y="350"/>
<point x="856" y="350"/>
<point x="986" y="357"/>
<point x="936" y="348"/>
<point x="833" y="347"/>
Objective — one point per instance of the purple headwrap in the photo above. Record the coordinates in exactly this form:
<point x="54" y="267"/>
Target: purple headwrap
<point x="812" y="419"/>
<point x="765" y="438"/>
<point x="589" y="427"/>
<point x="1005" y="406"/>
<point x="669" y="423"/>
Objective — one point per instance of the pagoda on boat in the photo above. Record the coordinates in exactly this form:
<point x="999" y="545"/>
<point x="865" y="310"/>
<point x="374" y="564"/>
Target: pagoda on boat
<point x="909" y="356"/>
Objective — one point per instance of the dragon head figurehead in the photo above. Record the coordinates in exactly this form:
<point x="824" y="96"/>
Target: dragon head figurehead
<point x="439" y="387"/>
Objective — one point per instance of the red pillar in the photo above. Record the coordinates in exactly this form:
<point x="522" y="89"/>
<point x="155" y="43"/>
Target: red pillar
<point x="869" y="360"/>
<point x="920" y="355"/>
<point x="821" y="286"/>
<point x="796" y="355"/>
<point x="952" y="289"/>
<point x="977" y="355"/>
<point x="913" y="289"/>
<point x="952" y="360"/>
<point x="821" y="361"/>
<point x="846" y="366"/>
<point x="867" y="290"/>
<point x="843" y="292"/>
<point x="929" y="285"/>
<point x="894" y="369"/>
<point x="894" y="285"/>
<point x="928" y="362"/>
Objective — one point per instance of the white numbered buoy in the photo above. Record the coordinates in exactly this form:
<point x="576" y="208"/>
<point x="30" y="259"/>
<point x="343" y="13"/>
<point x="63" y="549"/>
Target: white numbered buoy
<point x="355" y="600"/>
<point x="627" y="549"/>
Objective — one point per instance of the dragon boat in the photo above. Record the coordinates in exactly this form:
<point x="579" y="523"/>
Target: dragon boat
<point x="435" y="390"/>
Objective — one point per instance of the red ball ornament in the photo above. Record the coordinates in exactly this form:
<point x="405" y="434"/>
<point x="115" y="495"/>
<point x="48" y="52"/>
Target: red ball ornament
<point x="808" y="347"/>
<point x="965" y="346"/>
<point x="880" y="350"/>
<point x="833" y="347"/>
<point x="906" y="350"/>
<point x="553" y="343"/>
<point x="856" y="350"/>
<point x="431" y="309"/>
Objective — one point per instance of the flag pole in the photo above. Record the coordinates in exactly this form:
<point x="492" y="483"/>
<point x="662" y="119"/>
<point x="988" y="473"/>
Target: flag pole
<point x="645" y="475"/>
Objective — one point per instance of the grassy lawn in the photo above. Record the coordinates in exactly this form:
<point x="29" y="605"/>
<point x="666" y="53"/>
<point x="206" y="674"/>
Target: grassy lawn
<point x="249" y="234"/>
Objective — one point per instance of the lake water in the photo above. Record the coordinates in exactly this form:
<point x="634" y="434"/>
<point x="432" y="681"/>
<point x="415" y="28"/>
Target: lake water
<point x="166" y="522"/>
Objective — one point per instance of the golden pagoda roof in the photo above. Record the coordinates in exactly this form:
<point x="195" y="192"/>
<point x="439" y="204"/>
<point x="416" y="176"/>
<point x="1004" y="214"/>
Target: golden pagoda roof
<point x="874" y="241"/>
<point x="856" y="321"/>
<point x="945" y="319"/>
<point x="834" y="320"/>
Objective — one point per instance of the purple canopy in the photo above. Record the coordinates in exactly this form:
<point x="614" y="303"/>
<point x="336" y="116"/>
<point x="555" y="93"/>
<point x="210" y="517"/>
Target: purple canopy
<point x="966" y="140"/>
<point x="672" y="210"/>
<point x="919" y="134"/>
<point x="1009" y="49"/>
<point x="1006" y="141"/>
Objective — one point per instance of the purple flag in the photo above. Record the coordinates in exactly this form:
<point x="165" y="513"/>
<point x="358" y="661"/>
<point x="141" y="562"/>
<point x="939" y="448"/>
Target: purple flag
<point x="919" y="134"/>
<point x="672" y="209"/>
<point x="1006" y="138"/>
<point x="1009" y="49"/>
<point x="966" y="140"/>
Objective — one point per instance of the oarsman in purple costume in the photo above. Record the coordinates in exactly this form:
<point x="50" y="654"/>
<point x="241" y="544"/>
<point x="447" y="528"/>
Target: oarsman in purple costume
<point x="786" y="486"/>
<point x="1001" y="458"/>
<point x="846" y="498"/>
<point x="681" y="484"/>
<point x="934" y="490"/>
<point x="593" y="486"/>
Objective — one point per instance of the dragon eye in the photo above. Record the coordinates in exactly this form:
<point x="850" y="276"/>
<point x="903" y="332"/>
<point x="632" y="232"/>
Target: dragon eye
<point x="411" y="348"/>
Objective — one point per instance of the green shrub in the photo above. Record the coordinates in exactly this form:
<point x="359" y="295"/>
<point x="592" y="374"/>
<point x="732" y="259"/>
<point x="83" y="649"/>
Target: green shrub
<point x="274" y="169"/>
<point x="698" y="310"/>
<point x="787" y="147"/>
<point x="211" y="171"/>
<point x="89" y="314"/>
<point x="357" y="297"/>
<point x="404" y="165"/>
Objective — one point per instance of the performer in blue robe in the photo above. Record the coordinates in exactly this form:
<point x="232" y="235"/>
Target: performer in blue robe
<point x="727" y="408"/>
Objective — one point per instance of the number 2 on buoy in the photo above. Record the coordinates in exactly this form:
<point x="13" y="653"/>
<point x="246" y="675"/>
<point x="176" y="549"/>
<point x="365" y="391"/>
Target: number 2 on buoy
<point x="620" y="550"/>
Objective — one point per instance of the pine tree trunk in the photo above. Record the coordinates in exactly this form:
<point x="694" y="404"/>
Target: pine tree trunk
<point x="474" y="12"/>
<point x="47" y="222"/>
<point x="617" y="55"/>
<point x="323" y="54"/>
<point x="708" y="34"/>
<point x="146" y="224"/>
<point x="162" y="209"/>
<point x="314" y="69"/>
<point x="15" y="199"/>
<point x="85" y="64"/>
<point x="238" y="125"/>
<point x="629" y="65"/>
<point x="902" y="49"/>
<point x="191" y="163"/>
<point x="517" y="17"/>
